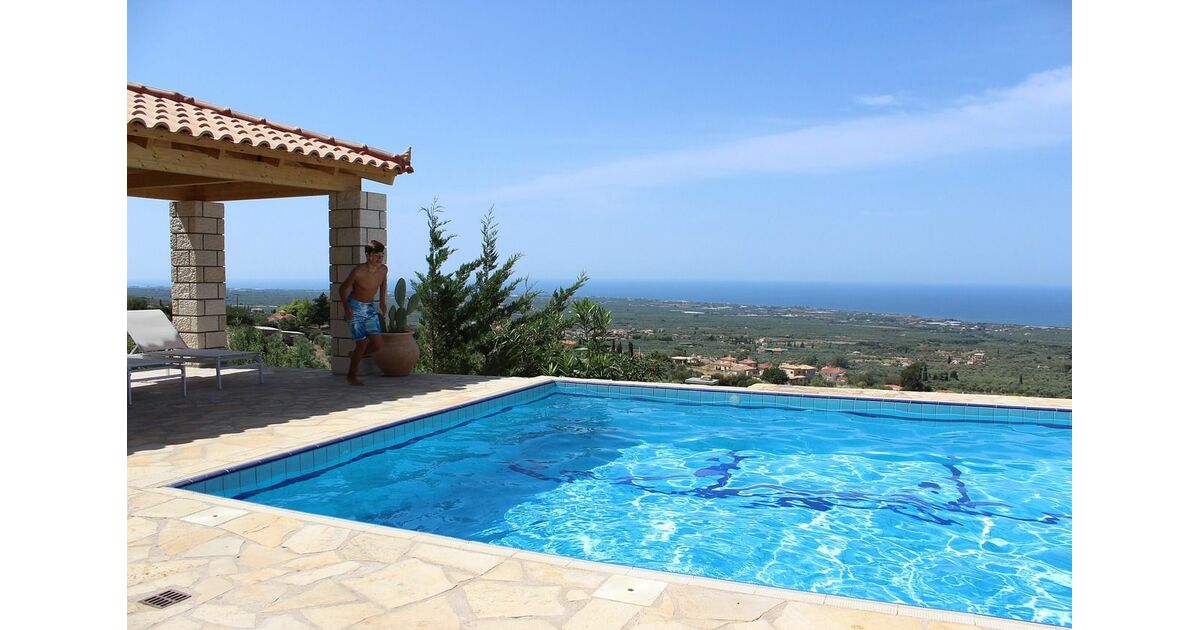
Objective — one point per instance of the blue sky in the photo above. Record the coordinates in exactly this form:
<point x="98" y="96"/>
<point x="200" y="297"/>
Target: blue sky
<point x="925" y="142"/>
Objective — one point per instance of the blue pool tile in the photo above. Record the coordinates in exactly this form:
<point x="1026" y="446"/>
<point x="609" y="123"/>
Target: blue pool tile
<point x="277" y="473"/>
<point x="246" y="479"/>
<point x="307" y="461"/>
<point x="292" y="464"/>
<point x="262" y="476"/>
<point x="228" y="485"/>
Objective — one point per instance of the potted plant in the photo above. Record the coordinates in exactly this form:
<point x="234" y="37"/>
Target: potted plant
<point x="398" y="356"/>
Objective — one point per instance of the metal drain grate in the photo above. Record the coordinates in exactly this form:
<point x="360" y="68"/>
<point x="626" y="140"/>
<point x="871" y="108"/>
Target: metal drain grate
<point x="164" y="599"/>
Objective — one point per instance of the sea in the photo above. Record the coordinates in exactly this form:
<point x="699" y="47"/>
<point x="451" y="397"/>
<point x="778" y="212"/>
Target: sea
<point x="992" y="304"/>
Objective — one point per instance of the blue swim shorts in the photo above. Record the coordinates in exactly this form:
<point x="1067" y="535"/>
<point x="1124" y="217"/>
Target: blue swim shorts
<point x="364" y="320"/>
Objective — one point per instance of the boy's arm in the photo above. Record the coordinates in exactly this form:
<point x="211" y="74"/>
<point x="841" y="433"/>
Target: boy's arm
<point x="383" y="294"/>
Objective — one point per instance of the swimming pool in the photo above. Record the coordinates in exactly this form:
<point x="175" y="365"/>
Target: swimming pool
<point x="959" y="507"/>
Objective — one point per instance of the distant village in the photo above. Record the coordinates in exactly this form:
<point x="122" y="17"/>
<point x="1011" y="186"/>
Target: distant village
<point x="711" y="368"/>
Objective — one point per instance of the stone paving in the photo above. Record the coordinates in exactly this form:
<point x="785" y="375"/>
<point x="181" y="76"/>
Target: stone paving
<point x="251" y="566"/>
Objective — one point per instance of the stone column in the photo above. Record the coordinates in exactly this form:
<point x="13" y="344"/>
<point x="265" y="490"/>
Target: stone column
<point x="198" y="272"/>
<point x="355" y="219"/>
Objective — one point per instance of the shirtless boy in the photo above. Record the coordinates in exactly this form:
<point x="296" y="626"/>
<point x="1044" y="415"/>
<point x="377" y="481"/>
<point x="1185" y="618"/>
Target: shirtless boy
<point x="358" y="298"/>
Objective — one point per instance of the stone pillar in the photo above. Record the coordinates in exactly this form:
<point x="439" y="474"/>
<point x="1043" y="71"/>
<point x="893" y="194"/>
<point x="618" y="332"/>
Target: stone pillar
<point x="198" y="272"/>
<point x="355" y="219"/>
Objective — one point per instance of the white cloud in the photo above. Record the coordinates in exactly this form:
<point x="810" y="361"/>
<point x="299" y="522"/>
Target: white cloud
<point x="876" y="101"/>
<point x="1034" y="113"/>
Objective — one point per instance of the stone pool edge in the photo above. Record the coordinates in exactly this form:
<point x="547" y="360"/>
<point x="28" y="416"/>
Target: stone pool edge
<point x="171" y="488"/>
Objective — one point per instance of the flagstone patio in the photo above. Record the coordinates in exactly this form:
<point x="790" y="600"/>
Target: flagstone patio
<point x="253" y="566"/>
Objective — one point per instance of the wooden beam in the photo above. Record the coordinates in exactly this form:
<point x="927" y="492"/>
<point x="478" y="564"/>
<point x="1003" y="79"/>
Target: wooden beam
<point x="135" y="180"/>
<point x="209" y="151"/>
<point x="237" y="191"/>
<point x="179" y="162"/>
<point x="373" y="173"/>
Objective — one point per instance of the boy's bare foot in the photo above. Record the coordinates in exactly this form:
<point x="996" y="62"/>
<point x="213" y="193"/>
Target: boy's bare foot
<point x="353" y="380"/>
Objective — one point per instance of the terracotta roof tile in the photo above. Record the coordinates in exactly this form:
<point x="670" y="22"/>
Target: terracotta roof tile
<point x="177" y="113"/>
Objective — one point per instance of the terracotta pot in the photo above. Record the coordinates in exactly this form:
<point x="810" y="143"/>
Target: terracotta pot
<point x="398" y="356"/>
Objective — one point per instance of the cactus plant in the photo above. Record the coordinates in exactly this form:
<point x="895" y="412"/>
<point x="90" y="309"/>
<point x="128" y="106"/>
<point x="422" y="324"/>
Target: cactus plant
<point x="397" y="320"/>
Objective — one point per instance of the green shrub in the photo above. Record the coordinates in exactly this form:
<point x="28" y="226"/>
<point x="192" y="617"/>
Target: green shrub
<point x="276" y="353"/>
<point x="775" y="375"/>
<point x="914" y="377"/>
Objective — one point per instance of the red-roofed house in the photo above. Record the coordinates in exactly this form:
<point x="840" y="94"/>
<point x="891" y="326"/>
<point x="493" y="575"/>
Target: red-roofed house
<point x="833" y="374"/>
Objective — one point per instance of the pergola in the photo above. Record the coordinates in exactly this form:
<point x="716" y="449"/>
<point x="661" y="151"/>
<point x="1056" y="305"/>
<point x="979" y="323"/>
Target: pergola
<point x="198" y="155"/>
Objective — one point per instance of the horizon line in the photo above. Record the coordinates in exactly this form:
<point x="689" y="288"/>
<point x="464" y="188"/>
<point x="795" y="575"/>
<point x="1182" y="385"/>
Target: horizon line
<point x="305" y="283"/>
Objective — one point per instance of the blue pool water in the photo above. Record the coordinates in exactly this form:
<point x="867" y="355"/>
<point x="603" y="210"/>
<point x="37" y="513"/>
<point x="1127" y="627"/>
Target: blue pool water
<point x="959" y="508"/>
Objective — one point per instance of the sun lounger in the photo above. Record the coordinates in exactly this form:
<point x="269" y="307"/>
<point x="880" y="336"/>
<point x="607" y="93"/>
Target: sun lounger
<point x="155" y="337"/>
<point x="141" y="364"/>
